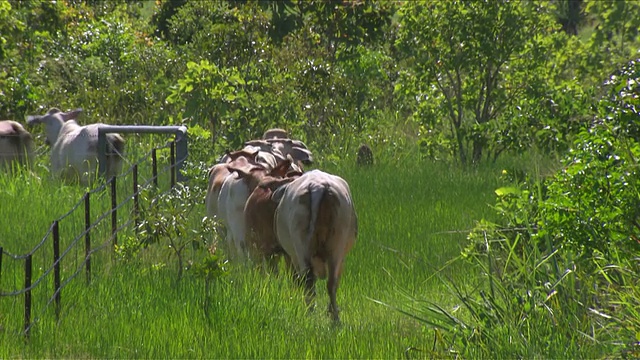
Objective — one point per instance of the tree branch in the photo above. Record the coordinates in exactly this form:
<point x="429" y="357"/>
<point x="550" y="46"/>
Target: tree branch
<point x="447" y="97"/>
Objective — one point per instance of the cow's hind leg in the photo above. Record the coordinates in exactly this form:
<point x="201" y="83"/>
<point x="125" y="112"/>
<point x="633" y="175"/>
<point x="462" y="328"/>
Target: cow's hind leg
<point x="309" y="287"/>
<point x="332" y="287"/>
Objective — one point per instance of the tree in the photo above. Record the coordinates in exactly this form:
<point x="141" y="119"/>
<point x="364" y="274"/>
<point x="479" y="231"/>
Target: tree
<point x="614" y="40"/>
<point x="470" y="62"/>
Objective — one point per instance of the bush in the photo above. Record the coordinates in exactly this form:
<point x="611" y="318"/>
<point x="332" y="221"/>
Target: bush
<point x="560" y="272"/>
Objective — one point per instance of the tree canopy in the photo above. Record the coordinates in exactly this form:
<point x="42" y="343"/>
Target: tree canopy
<point x="465" y="81"/>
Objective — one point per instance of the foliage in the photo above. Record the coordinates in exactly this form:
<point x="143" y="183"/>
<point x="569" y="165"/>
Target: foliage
<point x="18" y="44"/>
<point x="570" y="15"/>
<point x="477" y="70"/>
<point x="338" y="22"/>
<point x="301" y="86"/>
<point x="211" y="92"/>
<point x="615" y="37"/>
<point x="560" y="262"/>
<point x="601" y="174"/>
<point x="532" y="303"/>
<point x="217" y="31"/>
<point x="117" y="63"/>
<point x="319" y="78"/>
<point x="166" y="221"/>
<point x="448" y="80"/>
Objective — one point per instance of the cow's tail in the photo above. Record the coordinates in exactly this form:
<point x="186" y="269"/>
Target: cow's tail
<point x="318" y="195"/>
<point x="115" y="157"/>
<point x="115" y="145"/>
<point x="22" y="140"/>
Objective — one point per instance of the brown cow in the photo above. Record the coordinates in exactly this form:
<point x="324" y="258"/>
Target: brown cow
<point x="259" y="212"/>
<point x="234" y="193"/>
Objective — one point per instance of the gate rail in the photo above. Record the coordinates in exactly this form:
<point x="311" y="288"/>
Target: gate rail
<point x="181" y="142"/>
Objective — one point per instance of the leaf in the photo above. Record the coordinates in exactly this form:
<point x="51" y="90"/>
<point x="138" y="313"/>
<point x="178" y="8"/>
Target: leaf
<point x="507" y="190"/>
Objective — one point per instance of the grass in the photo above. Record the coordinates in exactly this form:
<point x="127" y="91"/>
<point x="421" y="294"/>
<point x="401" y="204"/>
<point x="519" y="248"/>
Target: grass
<point x="413" y="223"/>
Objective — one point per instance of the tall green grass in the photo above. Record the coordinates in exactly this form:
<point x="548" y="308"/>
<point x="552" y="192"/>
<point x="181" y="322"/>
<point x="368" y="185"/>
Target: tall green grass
<point x="31" y="201"/>
<point x="413" y="222"/>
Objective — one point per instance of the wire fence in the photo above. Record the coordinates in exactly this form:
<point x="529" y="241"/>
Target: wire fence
<point x="35" y="281"/>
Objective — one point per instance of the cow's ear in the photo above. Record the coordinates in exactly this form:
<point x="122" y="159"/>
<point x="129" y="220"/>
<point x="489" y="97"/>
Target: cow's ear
<point x="278" y="193"/>
<point x="257" y="143"/>
<point x="301" y="154"/>
<point x="282" y="168"/>
<point x="71" y="115"/>
<point x="275" y="184"/>
<point x="241" y="170"/>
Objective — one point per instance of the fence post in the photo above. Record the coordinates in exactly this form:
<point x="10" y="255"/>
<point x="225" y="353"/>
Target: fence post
<point x="87" y="235"/>
<point x="154" y="167"/>
<point x="27" y="294"/>
<point x="114" y="212"/>
<point x="182" y="151"/>
<point x="172" y="163"/>
<point x="56" y="266"/>
<point x="136" y="204"/>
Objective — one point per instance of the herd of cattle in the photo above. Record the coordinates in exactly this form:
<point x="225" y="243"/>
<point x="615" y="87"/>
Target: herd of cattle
<point x="271" y="207"/>
<point x="268" y="204"/>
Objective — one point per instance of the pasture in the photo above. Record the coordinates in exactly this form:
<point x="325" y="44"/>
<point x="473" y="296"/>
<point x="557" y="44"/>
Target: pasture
<point x="413" y="221"/>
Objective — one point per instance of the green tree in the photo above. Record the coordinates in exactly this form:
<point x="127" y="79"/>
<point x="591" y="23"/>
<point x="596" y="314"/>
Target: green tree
<point x="592" y="205"/>
<point x="472" y="63"/>
<point x="25" y="29"/>
<point x="615" y="39"/>
<point x="350" y="22"/>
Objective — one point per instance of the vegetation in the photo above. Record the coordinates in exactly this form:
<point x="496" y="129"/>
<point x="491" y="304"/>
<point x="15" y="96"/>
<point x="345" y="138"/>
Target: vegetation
<point x="136" y="306"/>
<point x="546" y="90"/>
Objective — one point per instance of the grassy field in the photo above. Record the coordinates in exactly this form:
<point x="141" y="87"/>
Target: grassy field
<point x="413" y="222"/>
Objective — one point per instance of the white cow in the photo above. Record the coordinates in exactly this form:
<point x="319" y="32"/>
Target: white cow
<point x="218" y="173"/>
<point x="316" y="225"/>
<point x="74" y="152"/>
<point x="16" y="144"/>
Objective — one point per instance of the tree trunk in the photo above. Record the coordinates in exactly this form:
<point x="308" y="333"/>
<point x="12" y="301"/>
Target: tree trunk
<point x="478" y="146"/>
<point x="462" y="154"/>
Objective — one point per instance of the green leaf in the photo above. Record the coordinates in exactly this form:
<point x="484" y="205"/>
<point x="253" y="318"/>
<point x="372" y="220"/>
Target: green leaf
<point x="507" y="190"/>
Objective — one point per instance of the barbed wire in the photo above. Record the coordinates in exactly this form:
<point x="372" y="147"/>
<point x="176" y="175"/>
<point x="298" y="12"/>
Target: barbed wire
<point x="22" y="257"/>
<point x="92" y="226"/>
<point x="79" y="269"/>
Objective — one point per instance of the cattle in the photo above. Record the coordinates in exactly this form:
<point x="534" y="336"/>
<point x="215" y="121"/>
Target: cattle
<point x="234" y="193"/>
<point x="316" y="225"/>
<point x="259" y="211"/>
<point x="218" y="173"/>
<point x="364" y="156"/>
<point x="74" y="148"/>
<point x="265" y="156"/>
<point x="16" y="144"/>
<point x="296" y="148"/>
<point x="285" y="147"/>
